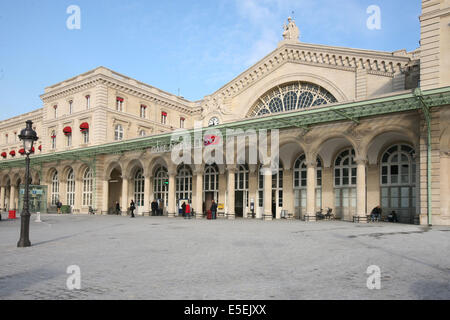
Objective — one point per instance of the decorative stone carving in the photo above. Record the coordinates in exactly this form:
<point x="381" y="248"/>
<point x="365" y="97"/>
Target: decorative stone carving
<point x="291" y="31"/>
<point x="215" y="104"/>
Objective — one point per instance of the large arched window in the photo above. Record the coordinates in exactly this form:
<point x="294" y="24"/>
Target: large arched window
<point x="345" y="170"/>
<point x="87" y="187"/>
<point x="70" y="188"/>
<point x="139" y="189"/>
<point x="55" y="188"/>
<point x="398" y="182"/>
<point x="277" y="188"/>
<point x="211" y="179"/>
<point x="184" y="183"/>
<point x="291" y="96"/>
<point x="161" y="186"/>
<point x="300" y="184"/>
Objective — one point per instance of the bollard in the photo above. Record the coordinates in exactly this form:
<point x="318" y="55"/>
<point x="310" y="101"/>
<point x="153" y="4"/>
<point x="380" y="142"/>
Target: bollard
<point x="38" y="217"/>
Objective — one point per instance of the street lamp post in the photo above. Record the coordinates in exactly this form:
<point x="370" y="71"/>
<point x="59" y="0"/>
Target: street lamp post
<point x="28" y="136"/>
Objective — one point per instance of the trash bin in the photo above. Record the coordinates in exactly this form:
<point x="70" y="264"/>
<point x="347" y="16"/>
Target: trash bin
<point x="12" y="214"/>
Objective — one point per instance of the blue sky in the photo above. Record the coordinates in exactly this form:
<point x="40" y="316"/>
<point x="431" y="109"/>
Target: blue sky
<point x="196" y="46"/>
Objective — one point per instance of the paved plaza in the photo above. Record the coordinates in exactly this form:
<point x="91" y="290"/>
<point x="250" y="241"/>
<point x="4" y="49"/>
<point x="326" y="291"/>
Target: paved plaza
<point x="162" y="258"/>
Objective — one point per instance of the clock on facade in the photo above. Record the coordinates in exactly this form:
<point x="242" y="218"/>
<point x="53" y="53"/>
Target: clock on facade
<point x="214" y="121"/>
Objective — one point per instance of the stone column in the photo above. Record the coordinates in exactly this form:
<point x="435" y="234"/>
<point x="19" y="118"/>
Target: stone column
<point x="63" y="189"/>
<point x="105" y="192"/>
<point x="231" y="204"/>
<point x="311" y="191"/>
<point x="361" y="191"/>
<point x="171" y="208"/>
<point x="2" y="198"/>
<point x="12" y="198"/>
<point x="148" y="191"/>
<point x="124" y="201"/>
<point x="267" y="173"/>
<point x="198" y="206"/>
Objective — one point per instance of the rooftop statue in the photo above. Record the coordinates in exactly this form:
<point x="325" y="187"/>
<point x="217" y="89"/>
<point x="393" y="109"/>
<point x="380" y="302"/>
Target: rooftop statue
<point x="291" y="31"/>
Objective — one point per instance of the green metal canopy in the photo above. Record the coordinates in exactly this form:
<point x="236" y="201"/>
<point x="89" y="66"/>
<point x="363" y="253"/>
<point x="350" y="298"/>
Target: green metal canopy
<point x="350" y="111"/>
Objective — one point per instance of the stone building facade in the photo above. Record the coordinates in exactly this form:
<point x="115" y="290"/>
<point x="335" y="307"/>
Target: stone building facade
<point x="357" y="128"/>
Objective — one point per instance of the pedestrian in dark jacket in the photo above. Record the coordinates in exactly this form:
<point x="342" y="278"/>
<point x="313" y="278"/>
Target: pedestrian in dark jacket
<point x="154" y="208"/>
<point x="117" y="208"/>
<point x="132" y="208"/>
<point x="213" y="209"/>
<point x="183" y="209"/>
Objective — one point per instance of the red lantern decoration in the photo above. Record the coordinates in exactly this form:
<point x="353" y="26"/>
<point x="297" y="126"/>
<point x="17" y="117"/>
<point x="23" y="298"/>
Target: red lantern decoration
<point x="4" y="154"/>
<point x="12" y="153"/>
<point x="164" y="113"/>
<point x="32" y="149"/>
<point x="40" y="148"/>
<point x="22" y="151"/>
<point x="143" y="106"/>
<point x="67" y="131"/>
<point x="84" y="126"/>
<point x="119" y="99"/>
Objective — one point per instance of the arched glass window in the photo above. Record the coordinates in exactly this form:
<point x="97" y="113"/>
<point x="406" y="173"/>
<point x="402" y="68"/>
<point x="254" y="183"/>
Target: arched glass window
<point x="398" y="166"/>
<point x="290" y="101"/>
<point x="139" y="189"/>
<point x="161" y="185"/>
<point x="118" y="132"/>
<point x="211" y="179"/>
<point x="87" y="187"/>
<point x="294" y="96"/>
<point x="142" y="133"/>
<point x="241" y="178"/>
<point x="345" y="169"/>
<point x="300" y="184"/>
<point x="184" y="183"/>
<point x="70" y="188"/>
<point x="398" y="182"/>
<point x="55" y="188"/>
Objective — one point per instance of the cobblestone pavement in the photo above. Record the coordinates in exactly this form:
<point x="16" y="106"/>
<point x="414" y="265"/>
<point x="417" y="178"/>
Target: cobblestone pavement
<point x="162" y="258"/>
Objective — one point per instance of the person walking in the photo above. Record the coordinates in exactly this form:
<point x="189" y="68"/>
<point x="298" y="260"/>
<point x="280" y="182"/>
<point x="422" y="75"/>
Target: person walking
<point x="183" y="209"/>
<point x="188" y="210"/>
<point x="213" y="209"/>
<point x="154" y="207"/>
<point x="59" y="206"/>
<point x="132" y="208"/>
<point x="117" y="208"/>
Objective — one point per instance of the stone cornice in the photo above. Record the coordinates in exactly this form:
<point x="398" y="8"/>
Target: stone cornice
<point x="138" y="89"/>
<point x="375" y="62"/>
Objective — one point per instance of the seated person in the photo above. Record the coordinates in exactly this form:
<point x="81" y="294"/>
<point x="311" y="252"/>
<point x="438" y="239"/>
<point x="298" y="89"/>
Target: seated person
<point x="392" y="217"/>
<point x="375" y="214"/>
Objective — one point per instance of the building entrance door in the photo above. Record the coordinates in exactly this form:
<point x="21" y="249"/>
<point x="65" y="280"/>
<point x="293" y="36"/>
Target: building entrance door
<point x="239" y="204"/>
<point x="209" y="197"/>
